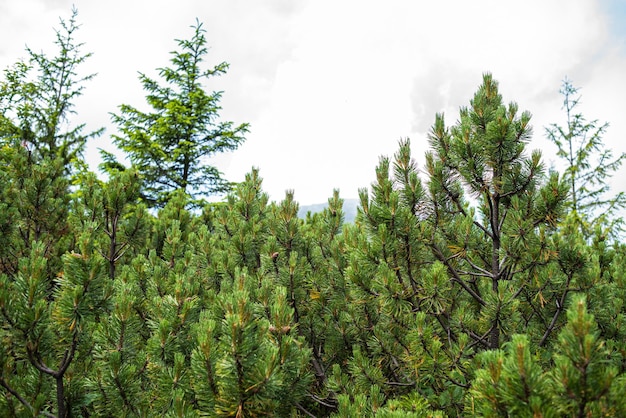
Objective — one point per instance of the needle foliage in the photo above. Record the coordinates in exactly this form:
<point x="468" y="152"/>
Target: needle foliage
<point x="466" y="287"/>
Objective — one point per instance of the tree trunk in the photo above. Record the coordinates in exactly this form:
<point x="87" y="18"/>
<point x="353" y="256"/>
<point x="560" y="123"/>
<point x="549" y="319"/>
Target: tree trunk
<point x="61" y="407"/>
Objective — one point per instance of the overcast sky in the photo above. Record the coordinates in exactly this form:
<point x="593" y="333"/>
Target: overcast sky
<point x="328" y="86"/>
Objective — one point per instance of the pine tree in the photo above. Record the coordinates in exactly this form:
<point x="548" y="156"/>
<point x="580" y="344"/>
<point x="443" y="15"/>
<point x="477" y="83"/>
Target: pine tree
<point x="36" y="197"/>
<point x="484" y="154"/>
<point x="584" y="373"/>
<point x="111" y="208"/>
<point x="436" y="278"/>
<point x="249" y="364"/>
<point x="583" y="379"/>
<point x="510" y="383"/>
<point x="170" y="146"/>
<point x="321" y="295"/>
<point x="241" y="223"/>
<point x="46" y="332"/>
<point x="405" y="306"/>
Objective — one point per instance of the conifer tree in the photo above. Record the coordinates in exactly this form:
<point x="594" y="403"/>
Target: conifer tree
<point x="441" y="277"/>
<point x="248" y="364"/>
<point x="170" y="145"/>
<point x="589" y="165"/>
<point x="510" y="383"/>
<point x="242" y="225"/>
<point x="46" y="332"/>
<point x="40" y="145"/>
<point x="34" y="112"/>
<point x="406" y="310"/>
<point x="36" y="197"/>
<point x="319" y="269"/>
<point x="484" y="154"/>
<point x="583" y="380"/>
<point x="118" y="380"/>
<point x="584" y="373"/>
<point x="112" y="209"/>
<point x="143" y="344"/>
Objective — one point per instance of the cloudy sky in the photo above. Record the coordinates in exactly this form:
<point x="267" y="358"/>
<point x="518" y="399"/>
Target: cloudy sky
<point x="328" y="86"/>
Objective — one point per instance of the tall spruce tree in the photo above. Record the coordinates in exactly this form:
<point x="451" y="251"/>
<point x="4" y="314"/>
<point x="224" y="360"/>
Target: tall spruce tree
<point x="589" y="165"/>
<point x="35" y="109"/>
<point x="170" y="146"/>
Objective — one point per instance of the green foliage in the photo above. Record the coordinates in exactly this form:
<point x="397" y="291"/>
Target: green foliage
<point x="40" y="148"/>
<point x="170" y="146"/>
<point x="581" y="381"/>
<point x="489" y="254"/>
<point x="110" y="209"/>
<point x="469" y="292"/>
<point x="36" y="197"/>
<point x="47" y="330"/>
<point x="589" y="165"/>
<point x="510" y="383"/>
<point x="249" y="364"/>
<point x="35" y="110"/>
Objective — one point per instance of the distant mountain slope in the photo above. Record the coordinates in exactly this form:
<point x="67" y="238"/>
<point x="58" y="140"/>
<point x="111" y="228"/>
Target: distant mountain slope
<point x="349" y="209"/>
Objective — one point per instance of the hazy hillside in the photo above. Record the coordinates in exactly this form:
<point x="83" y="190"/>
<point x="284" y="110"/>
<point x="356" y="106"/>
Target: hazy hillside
<point x="349" y="209"/>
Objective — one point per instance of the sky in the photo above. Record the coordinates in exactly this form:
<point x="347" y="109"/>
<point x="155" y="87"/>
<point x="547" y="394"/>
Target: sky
<point x="329" y="86"/>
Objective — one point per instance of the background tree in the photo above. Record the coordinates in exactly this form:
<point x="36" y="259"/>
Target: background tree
<point x="40" y="148"/>
<point x="35" y="111"/>
<point x="170" y="146"/>
<point x="589" y="165"/>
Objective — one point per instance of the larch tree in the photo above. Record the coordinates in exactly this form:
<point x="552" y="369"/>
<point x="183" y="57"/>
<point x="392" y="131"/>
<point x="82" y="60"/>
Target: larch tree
<point x="171" y="144"/>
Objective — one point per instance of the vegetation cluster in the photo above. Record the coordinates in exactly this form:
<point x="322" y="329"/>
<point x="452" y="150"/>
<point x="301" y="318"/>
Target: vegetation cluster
<point x="481" y="285"/>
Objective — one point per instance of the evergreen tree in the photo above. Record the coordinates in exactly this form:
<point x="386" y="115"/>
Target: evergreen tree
<point x="35" y="112"/>
<point x="484" y="154"/>
<point x="38" y="149"/>
<point x="48" y="300"/>
<point x="36" y="198"/>
<point x="510" y="383"/>
<point x="311" y="258"/>
<point x="170" y="146"/>
<point x="589" y="165"/>
<point x="111" y="209"/>
<point x="435" y="278"/>
<point x="249" y="364"/>
<point x="46" y="333"/>
<point x="583" y="379"/>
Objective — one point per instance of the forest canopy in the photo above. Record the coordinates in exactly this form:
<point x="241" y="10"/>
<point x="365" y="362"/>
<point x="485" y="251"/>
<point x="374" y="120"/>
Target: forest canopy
<point x="482" y="284"/>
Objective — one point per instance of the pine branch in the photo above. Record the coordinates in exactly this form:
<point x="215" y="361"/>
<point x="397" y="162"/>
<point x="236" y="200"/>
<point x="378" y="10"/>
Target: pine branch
<point x="23" y="401"/>
<point x="303" y="410"/>
<point x="560" y="307"/>
<point x="456" y="278"/>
